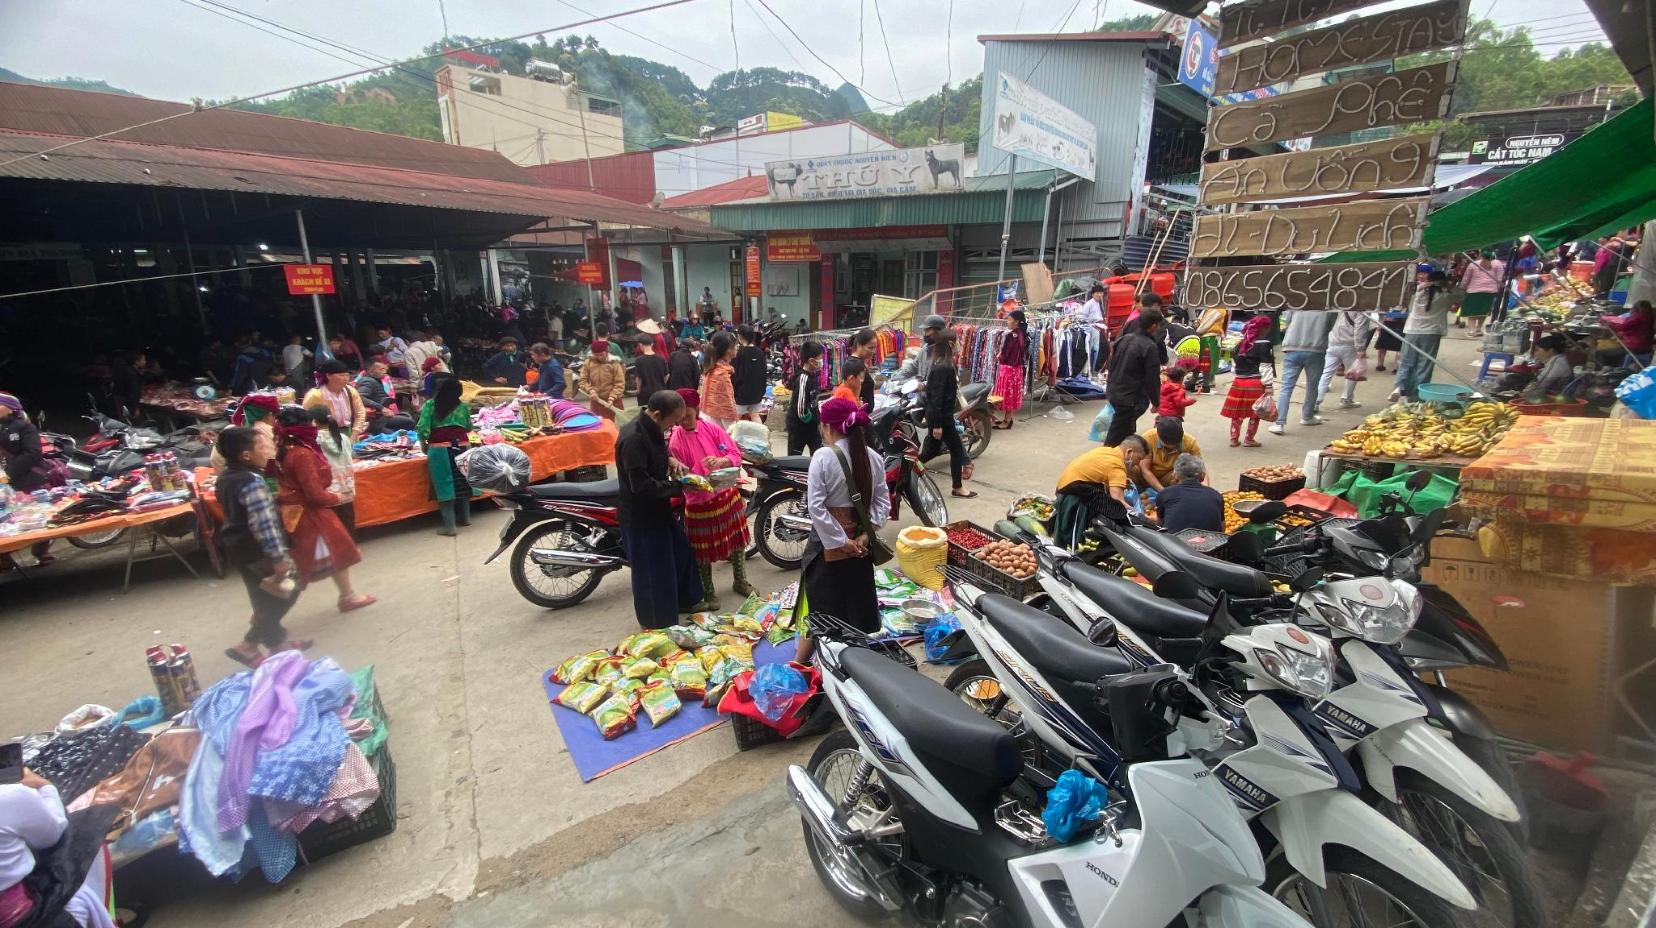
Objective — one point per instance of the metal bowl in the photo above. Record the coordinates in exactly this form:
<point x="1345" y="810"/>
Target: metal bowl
<point x="921" y="611"/>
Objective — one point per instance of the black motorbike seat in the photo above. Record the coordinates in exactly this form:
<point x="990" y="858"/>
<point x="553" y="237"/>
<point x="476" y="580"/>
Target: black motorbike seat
<point x="1133" y="605"/>
<point x="595" y="490"/>
<point x="793" y="462"/>
<point x="970" y="392"/>
<point x="1207" y="571"/>
<point x="936" y="722"/>
<point x="1058" y="651"/>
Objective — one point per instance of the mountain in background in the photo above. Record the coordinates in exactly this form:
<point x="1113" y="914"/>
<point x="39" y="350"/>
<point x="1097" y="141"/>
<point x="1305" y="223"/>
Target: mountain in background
<point x="1501" y="69"/>
<point x="72" y="83"/>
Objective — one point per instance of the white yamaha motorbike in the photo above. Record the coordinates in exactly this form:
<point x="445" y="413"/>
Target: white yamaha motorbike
<point x="1278" y="764"/>
<point x="921" y="806"/>
<point x="1378" y="716"/>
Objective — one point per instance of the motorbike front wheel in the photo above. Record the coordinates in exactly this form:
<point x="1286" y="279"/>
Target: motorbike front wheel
<point x="977" y="432"/>
<point x="927" y="501"/>
<point x="834" y="766"/>
<point x="1361" y="893"/>
<point x="552" y="587"/>
<point x="1478" y="847"/>
<point x="95" y="540"/>
<point x="777" y="542"/>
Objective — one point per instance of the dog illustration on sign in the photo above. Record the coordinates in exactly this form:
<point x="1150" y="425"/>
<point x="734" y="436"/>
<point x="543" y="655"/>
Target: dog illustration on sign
<point x="787" y="173"/>
<point x="940" y="166"/>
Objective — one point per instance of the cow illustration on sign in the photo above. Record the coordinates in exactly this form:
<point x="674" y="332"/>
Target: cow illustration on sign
<point x="784" y="173"/>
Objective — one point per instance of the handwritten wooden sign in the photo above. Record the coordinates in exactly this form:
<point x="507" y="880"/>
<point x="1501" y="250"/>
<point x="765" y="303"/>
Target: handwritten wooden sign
<point x="1243" y="22"/>
<point x="1415" y="95"/>
<point x="1367" y="225"/>
<point x="1360" y="168"/>
<point x="1363" y="41"/>
<point x="1331" y="287"/>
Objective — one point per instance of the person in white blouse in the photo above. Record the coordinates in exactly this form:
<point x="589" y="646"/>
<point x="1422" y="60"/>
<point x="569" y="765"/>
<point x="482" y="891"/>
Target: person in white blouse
<point x="1092" y="311"/>
<point x="32" y="819"/>
<point x="838" y="571"/>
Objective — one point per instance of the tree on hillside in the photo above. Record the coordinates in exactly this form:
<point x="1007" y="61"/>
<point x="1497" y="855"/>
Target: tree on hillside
<point x="950" y="114"/>
<point x="736" y="94"/>
<point x="1135" y="23"/>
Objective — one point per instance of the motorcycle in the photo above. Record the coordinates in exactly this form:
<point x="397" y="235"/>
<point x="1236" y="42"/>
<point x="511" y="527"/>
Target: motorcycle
<point x="115" y="450"/>
<point x="1329" y="855"/>
<point x="921" y="805"/>
<point x="568" y="537"/>
<point x="781" y="525"/>
<point x="1388" y="719"/>
<point x="975" y="419"/>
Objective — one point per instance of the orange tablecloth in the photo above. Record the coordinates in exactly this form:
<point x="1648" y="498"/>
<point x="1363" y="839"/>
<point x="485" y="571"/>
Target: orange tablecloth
<point x="11" y="543"/>
<point x="402" y="489"/>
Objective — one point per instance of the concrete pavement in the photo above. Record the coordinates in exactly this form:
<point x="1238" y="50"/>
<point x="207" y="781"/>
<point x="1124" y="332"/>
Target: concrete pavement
<point x="495" y="827"/>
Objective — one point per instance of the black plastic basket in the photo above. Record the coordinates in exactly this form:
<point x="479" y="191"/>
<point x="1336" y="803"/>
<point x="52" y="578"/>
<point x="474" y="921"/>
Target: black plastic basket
<point x="379" y="820"/>
<point x="1271" y="489"/>
<point x="1000" y="580"/>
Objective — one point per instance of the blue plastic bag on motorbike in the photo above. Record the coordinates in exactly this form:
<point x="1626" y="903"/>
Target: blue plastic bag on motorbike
<point x="1073" y="801"/>
<point x="940" y="629"/>
<point x="773" y="688"/>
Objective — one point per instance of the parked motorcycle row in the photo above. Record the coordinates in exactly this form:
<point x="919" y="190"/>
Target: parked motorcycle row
<point x="1270" y="759"/>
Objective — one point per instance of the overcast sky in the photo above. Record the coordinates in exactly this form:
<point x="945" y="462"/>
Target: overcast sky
<point x="177" y="49"/>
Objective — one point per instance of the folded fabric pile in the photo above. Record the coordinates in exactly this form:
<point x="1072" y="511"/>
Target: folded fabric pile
<point x="276" y="755"/>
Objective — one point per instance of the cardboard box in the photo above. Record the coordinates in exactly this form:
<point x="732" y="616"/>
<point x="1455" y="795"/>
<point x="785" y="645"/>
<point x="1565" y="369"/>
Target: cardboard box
<point x="1567" y="641"/>
<point x="1594" y="473"/>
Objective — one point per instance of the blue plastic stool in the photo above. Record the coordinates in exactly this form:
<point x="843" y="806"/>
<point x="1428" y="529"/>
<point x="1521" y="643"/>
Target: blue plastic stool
<point x="1506" y="359"/>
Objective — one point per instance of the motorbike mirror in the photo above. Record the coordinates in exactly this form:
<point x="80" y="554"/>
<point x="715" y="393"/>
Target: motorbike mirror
<point x="1429" y="525"/>
<point x="1269" y="511"/>
<point x="1307" y="580"/>
<point x="1419" y="480"/>
<point x="1103" y="633"/>
<point x="1175" y="584"/>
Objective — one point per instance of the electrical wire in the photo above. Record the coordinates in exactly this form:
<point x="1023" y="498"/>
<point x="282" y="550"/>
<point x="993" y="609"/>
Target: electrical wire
<point x="1045" y="51"/>
<point x="137" y="280"/>
<point x="661" y="45"/>
<point x="778" y="39"/>
<point x="891" y="62"/>
<point x="862" y="59"/>
<point x="735" y="48"/>
<point x="660" y="5"/>
<point x="807" y="46"/>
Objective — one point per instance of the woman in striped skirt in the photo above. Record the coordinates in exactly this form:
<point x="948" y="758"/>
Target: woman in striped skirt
<point x="1252" y="353"/>
<point x="714" y="520"/>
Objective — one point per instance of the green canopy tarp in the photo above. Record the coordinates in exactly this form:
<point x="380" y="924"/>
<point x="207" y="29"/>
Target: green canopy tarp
<point x="1603" y="181"/>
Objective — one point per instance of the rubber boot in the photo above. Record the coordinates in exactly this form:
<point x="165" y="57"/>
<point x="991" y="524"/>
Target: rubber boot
<point x="738" y="567"/>
<point x="447" y="509"/>
<point x="710" y="601"/>
<point x="462" y="510"/>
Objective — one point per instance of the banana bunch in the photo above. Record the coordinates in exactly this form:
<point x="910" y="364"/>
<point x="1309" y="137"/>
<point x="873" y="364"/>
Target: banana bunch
<point x="1417" y="431"/>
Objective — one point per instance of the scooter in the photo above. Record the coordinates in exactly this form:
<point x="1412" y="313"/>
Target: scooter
<point x="1272" y="756"/>
<point x="568" y="537"/>
<point x="974" y="419"/>
<point x="920" y="805"/>
<point x="1382" y="714"/>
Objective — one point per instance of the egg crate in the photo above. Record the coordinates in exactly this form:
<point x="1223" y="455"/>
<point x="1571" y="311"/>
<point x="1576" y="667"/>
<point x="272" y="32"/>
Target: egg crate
<point x="1002" y="581"/>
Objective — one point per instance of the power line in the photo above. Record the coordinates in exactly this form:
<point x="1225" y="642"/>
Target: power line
<point x="862" y="32"/>
<point x="887" y="43"/>
<point x="640" y="35"/>
<point x="779" y="43"/>
<point x="736" y="49"/>
<point x="661" y="5"/>
<point x="138" y="280"/>
<point x="1045" y="51"/>
<point x="807" y="46"/>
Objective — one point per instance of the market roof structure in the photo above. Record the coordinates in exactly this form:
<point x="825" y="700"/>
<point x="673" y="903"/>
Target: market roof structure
<point x="983" y="201"/>
<point x="258" y="167"/>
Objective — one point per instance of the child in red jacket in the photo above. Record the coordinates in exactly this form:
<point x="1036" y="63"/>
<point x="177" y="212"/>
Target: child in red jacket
<point x="1174" y="399"/>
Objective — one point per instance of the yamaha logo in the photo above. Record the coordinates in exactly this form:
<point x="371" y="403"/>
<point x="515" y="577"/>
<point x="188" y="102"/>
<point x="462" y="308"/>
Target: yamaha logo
<point x="1245" y="789"/>
<point x="1331" y="713"/>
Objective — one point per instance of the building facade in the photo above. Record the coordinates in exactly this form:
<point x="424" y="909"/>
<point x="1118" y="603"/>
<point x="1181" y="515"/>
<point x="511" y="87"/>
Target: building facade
<point x="531" y="120"/>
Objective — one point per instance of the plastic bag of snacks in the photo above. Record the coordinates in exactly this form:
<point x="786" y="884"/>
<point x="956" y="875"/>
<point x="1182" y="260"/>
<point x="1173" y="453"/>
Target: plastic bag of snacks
<point x="578" y="668"/>
<point x="689" y="637"/>
<point x="704" y="619"/>
<point x="689" y="679"/>
<point x="608" y="671"/>
<point x="627" y="688"/>
<point x="738" y="648"/>
<point x="637" y="668"/>
<point x="614" y="716"/>
<point x="710" y="657"/>
<point x="648" y="644"/>
<point x="581" y="696"/>
<point x="661" y="703"/>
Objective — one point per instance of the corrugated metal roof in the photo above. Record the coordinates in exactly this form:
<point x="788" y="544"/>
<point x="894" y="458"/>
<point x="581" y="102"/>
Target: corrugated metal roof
<point x="1143" y="36"/>
<point x="742" y="188"/>
<point x="628" y="176"/>
<point x="80" y="113"/>
<point x="149" y="165"/>
<point x="985" y="206"/>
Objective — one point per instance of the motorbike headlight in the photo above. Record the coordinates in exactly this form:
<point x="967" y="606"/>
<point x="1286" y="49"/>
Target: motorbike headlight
<point x="1373" y="560"/>
<point x="1308" y="673"/>
<point x="1379" y="624"/>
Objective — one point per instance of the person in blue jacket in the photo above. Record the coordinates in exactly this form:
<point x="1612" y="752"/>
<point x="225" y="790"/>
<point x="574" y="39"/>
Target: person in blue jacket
<point x="550" y="381"/>
<point x="506" y="367"/>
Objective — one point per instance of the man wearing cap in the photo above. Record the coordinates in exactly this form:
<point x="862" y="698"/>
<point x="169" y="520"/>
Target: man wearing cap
<point x="506" y="368"/>
<point x="920" y="365"/>
<point x="1166" y="441"/>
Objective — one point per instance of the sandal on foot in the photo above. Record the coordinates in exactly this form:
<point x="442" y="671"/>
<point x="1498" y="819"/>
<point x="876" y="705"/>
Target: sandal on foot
<point x="246" y="660"/>
<point x="1250" y="443"/>
<point x="963" y="493"/>
<point x="1235" y="443"/>
<point x="361" y="601"/>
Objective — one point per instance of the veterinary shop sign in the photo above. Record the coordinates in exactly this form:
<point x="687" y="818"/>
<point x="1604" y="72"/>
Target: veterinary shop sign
<point x="1031" y="125"/>
<point x="891" y="173"/>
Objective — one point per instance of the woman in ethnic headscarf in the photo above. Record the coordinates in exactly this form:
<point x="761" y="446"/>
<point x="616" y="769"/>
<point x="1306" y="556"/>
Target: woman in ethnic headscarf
<point x="1252" y="353"/>
<point x="847" y="500"/>
<point x="713" y="519"/>
<point x="321" y="545"/>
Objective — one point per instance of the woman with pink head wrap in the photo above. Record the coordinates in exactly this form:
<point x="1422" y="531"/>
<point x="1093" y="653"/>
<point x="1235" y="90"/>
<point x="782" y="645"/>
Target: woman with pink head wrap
<point x="713" y="519"/>
<point x="845" y="476"/>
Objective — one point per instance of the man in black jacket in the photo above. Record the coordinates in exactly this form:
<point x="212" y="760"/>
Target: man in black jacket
<point x="750" y="376"/>
<point x="1134" y="383"/>
<point x="664" y="578"/>
<point x="683" y="373"/>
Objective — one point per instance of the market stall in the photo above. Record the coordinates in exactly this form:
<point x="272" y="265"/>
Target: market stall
<point x="175" y="401"/>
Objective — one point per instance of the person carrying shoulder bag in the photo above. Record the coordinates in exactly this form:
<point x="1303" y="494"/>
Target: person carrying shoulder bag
<point x="847" y="501"/>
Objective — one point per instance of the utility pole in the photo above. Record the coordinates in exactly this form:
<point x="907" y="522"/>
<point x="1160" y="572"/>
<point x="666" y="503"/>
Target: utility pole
<point x="540" y="146"/>
<point x="316" y="301"/>
<point x="586" y="145"/>
<point x="1006" y="223"/>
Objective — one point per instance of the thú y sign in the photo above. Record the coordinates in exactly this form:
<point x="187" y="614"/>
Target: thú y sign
<point x="1369" y="225"/>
